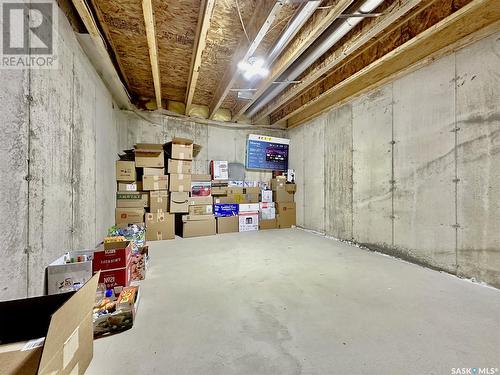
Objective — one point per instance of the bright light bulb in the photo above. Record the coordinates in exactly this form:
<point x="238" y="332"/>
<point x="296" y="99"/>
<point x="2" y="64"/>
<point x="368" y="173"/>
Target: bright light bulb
<point x="255" y="66"/>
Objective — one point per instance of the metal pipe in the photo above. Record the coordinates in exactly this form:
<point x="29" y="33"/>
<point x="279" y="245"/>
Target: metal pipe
<point x="326" y="41"/>
<point x="297" y="22"/>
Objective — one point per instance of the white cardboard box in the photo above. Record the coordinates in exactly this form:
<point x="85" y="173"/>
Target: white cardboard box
<point x="267" y="211"/>
<point x="220" y="169"/>
<point x="249" y="207"/>
<point x="266" y="195"/>
<point x="66" y="277"/>
<point x="248" y="221"/>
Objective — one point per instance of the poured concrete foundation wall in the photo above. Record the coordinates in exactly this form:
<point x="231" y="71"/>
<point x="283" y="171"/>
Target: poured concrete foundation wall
<point x="412" y="169"/>
<point x="58" y="148"/>
<point x="217" y="142"/>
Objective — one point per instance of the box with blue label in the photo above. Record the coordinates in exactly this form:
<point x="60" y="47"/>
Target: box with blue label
<point x="226" y="209"/>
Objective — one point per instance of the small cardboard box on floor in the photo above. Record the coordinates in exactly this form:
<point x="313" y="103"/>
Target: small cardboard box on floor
<point x="286" y="214"/>
<point x="195" y="225"/>
<point x="160" y="226"/>
<point x="49" y="334"/>
<point x="228" y="224"/>
<point x="65" y="277"/>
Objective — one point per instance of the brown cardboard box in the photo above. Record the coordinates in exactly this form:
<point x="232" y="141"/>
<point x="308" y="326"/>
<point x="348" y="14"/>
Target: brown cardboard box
<point x="153" y="171"/>
<point x="155" y="183"/>
<point x="65" y="320"/>
<point x="219" y="190"/>
<point x="283" y="196"/>
<point x="180" y="148"/>
<point x="149" y="155"/>
<point x="180" y="182"/>
<point x="224" y="199"/>
<point x="145" y="198"/>
<point x="252" y="190"/>
<point x="159" y="226"/>
<point x="130" y="199"/>
<point x="179" y="166"/>
<point x="228" y="224"/>
<point x="196" y="228"/>
<point x="278" y="183"/>
<point x="129" y="186"/>
<point x="238" y="198"/>
<point x="125" y="170"/>
<point x="201" y="177"/>
<point x="200" y="200"/>
<point x="179" y="202"/>
<point x="205" y="209"/>
<point x="235" y="190"/>
<point x="129" y="215"/>
<point x="252" y="198"/>
<point x="268" y="224"/>
<point x="158" y="201"/>
<point x="286" y="214"/>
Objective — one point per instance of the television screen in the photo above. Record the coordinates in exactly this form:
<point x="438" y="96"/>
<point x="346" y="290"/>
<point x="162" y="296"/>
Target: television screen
<point x="269" y="153"/>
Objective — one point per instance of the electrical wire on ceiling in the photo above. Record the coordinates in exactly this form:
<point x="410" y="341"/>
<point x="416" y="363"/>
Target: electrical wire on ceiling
<point x="241" y="20"/>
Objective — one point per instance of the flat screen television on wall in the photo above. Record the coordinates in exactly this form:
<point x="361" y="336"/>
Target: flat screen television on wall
<point x="268" y="153"/>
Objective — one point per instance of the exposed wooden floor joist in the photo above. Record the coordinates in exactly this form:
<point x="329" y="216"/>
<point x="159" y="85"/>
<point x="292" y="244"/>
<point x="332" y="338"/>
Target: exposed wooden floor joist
<point x="206" y="10"/>
<point x="263" y="18"/>
<point x="333" y="58"/>
<point x="460" y="27"/>
<point x="149" y="21"/>
<point x="313" y="28"/>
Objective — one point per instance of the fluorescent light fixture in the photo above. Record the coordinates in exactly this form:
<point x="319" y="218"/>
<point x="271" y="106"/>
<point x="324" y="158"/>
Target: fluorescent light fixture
<point x="254" y="67"/>
<point x="327" y="40"/>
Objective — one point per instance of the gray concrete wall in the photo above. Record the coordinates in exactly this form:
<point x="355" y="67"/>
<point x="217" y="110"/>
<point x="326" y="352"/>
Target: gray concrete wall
<point x="217" y="142"/>
<point x="412" y="168"/>
<point x="63" y="198"/>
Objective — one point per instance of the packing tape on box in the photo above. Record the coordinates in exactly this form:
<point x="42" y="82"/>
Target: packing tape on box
<point x="179" y="168"/>
<point x="181" y="155"/>
<point x="181" y="188"/>
<point x="180" y="177"/>
<point x="156" y="186"/>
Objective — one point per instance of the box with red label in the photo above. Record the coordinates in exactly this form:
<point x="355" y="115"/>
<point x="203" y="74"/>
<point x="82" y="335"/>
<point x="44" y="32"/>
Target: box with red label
<point x="112" y="255"/>
<point x="116" y="279"/>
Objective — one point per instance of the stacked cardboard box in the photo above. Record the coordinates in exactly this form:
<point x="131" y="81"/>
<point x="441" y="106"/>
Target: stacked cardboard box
<point x="190" y="195"/>
<point x="150" y="164"/>
<point x="130" y="202"/>
<point x="283" y="195"/>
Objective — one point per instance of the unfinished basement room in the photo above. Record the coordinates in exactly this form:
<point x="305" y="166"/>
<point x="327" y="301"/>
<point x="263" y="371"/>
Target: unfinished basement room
<point x="250" y="187"/>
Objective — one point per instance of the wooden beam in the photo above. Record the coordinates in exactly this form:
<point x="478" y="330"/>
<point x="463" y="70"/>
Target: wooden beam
<point x="149" y="21"/>
<point x="101" y="44"/>
<point x="473" y="21"/>
<point x="265" y="13"/>
<point x="370" y="29"/>
<point x="313" y="28"/>
<point x="206" y="9"/>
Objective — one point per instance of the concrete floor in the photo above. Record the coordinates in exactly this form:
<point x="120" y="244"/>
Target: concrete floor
<point x="292" y="302"/>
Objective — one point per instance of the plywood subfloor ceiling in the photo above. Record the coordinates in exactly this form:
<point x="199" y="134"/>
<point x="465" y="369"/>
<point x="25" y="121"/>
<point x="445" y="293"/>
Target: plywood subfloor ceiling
<point x="185" y="52"/>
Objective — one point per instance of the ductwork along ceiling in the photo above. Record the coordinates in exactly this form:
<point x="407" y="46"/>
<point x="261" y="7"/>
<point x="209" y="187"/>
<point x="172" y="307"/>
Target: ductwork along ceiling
<point x="264" y="61"/>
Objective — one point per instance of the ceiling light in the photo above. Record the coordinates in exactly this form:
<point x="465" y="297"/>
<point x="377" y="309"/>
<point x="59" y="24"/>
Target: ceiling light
<point x="254" y="67"/>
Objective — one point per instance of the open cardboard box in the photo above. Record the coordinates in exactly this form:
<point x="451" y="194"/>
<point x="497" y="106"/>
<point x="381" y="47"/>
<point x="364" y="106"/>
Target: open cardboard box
<point x="64" y="320"/>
